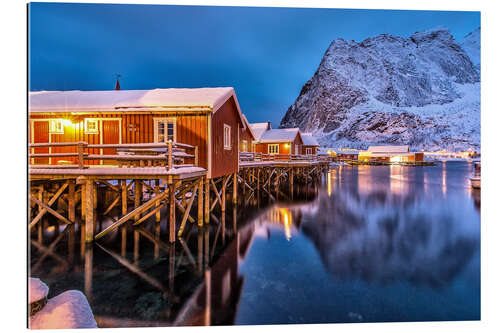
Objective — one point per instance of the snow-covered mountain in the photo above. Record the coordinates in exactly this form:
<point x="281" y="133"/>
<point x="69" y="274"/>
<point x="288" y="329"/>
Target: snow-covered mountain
<point x="423" y="91"/>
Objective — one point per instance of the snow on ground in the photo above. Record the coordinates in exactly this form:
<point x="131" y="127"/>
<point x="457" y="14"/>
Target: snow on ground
<point x="65" y="311"/>
<point x="37" y="290"/>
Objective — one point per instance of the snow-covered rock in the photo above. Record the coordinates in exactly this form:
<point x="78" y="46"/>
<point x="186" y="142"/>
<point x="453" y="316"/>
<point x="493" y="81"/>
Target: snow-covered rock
<point x="67" y="310"/>
<point x="472" y="46"/>
<point x="423" y="91"/>
<point x="37" y="290"/>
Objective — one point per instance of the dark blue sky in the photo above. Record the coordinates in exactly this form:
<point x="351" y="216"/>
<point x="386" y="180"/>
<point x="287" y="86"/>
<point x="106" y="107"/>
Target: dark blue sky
<point x="266" y="54"/>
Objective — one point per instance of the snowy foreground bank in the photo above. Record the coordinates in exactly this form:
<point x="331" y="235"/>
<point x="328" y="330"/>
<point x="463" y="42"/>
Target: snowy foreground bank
<point x="69" y="309"/>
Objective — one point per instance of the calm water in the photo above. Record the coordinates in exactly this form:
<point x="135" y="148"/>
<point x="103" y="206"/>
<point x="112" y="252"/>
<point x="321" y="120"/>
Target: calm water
<point x="369" y="244"/>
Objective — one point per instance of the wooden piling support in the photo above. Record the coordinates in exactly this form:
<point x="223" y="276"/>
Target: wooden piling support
<point x="207" y="200"/>
<point x="71" y="201"/>
<point x="89" y="210"/>
<point x="137" y="196"/>
<point x="200" y="202"/>
<point x="157" y="191"/>
<point x="171" y="198"/>
<point x="235" y="188"/>
<point x="124" y="197"/>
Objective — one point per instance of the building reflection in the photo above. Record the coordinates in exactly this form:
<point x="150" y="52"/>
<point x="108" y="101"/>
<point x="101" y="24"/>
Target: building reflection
<point x="135" y="279"/>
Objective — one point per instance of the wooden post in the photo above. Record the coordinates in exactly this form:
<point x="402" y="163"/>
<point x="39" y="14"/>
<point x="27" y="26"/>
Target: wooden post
<point x="89" y="210"/>
<point x="258" y="179"/>
<point x="157" y="191"/>
<point x="71" y="243"/>
<point x="200" y="202"/>
<point x="207" y="200"/>
<point x="235" y="188"/>
<point x="80" y="155"/>
<point x="124" y="197"/>
<point x="223" y="198"/>
<point x="169" y="161"/>
<point x="171" y="198"/>
<point x="71" y="202"/>
<point x="82" y="200"/>
<point x="136" y="246"/>
<point x="137" y="196"/>
<point x="124" y="241"/>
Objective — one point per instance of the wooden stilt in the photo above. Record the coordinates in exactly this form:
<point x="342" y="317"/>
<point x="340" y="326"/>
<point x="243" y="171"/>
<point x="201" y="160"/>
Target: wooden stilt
<point x="71" y="201"/>
<point x="124" y="241"/>
<point x="82" y="201"/>
<point x="223" y="197"/>
<point x="171" y="198"/>
<point x="235" y="188"/>
<point x="207" y="200"/>
<point x="136" y="246"/>
<point x="157" y="191"/>
<point x="124" y="197"/>
<point x="89" y="210"/>
<point x="200" y="202"/>
<point x="200" y="249"/>
<point x="137" y="196"/>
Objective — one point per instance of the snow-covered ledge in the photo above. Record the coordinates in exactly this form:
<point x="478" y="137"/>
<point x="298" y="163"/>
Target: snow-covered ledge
<point x="69" y="309"/>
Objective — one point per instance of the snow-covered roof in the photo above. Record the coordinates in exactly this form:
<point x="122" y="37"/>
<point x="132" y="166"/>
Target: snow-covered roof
<point x="309" y="140"/>
<point x="247" y="124"/>
<point x="131" y="100"/>
<point x="279" y="135"/>
<point x="389" y="149"/>
<point x="259" y="129"/>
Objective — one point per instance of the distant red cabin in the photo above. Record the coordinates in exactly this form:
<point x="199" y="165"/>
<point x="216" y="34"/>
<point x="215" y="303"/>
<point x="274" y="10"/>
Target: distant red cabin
<point x="209" y="118"/>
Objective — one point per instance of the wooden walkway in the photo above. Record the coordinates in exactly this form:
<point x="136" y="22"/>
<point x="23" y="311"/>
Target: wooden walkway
<point x="139" y="186"/>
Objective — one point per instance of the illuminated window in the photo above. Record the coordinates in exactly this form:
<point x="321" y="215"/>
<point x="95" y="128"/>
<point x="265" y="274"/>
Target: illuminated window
<point x="244" y="145"/>
<point x="56" y="126"/>
<point x="273" y="149"/>
<point x="165" y="130"/>
<point x="91" y="126"/>
<point x="227" y="136"/>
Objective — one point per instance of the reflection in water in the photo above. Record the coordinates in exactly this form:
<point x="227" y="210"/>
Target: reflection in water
<point x="373" y="244"/>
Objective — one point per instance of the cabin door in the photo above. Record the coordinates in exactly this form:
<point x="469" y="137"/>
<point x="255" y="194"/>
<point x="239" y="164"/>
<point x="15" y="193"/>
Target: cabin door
<point x="110" y="134"/>
<point x="40" y="134"/>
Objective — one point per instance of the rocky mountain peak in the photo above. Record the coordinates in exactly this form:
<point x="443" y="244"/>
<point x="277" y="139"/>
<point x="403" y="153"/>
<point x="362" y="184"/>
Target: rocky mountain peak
<point x="385" y="73"/>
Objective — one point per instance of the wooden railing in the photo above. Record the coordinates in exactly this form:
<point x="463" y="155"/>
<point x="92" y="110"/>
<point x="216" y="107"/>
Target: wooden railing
<point x="170" y="154"/>
<point x="257" y="157"/>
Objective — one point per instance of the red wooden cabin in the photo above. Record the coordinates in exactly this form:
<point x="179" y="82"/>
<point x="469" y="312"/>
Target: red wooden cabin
<point x="310" y="146"/>
<point x="209" y="118"/>
<point x="247" y="137"/>
<point x="283" y="141"/>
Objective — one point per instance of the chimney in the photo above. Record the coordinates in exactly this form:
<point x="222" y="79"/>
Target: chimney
<point x="268" y="125"/>
<point x="117" y="85"/>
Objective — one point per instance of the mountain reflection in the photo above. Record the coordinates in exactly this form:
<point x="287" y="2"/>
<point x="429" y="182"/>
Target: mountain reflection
<point x="386" y="231"/>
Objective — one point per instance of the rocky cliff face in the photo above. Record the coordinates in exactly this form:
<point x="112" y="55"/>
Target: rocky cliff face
<point x="423" y="90"/>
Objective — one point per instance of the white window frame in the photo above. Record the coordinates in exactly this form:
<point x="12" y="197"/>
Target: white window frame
<point x="272" y="151"/>
<point x="309" y="151"/>
<point x="86" y="129"/>
<point x="54" y="127"/>
<point x="227" y="137"/>
<point x="167" y="120"/>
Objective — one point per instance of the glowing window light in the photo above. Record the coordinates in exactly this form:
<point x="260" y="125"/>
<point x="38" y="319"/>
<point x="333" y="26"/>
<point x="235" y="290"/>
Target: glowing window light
<point x="91" y="126"/>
